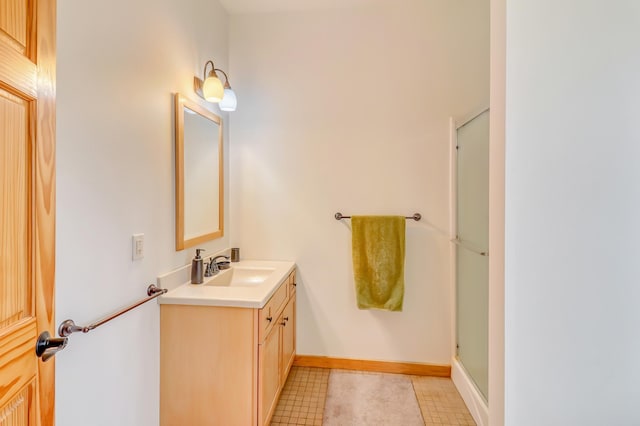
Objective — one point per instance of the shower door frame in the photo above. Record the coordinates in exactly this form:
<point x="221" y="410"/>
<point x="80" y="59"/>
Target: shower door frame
<point x="476" y="403"/>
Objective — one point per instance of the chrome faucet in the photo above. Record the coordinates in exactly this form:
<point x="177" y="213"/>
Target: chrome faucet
<point x="213" y="267"/>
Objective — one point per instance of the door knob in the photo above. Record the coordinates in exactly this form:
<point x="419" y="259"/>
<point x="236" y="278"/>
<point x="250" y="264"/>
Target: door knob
<point x="47" y="346"/>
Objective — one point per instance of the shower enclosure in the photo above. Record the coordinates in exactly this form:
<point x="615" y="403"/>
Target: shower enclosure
<point x="471" y="216"/>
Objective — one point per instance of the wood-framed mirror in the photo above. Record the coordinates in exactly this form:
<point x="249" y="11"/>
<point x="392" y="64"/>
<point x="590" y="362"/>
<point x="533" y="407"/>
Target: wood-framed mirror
<point x="199" y="174"/>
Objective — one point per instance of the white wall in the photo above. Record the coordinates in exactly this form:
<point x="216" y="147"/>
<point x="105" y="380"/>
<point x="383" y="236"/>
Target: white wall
<point x="572" y="208"/>
<point x="347" y="110"/>
<point x="118" y="64"/>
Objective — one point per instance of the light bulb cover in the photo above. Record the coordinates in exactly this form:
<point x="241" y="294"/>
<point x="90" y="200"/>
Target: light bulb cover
<point x="212" y="89"/>
<point x="229" y="102"/>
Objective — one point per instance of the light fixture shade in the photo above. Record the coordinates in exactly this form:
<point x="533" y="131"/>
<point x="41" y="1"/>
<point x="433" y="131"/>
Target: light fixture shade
<point x="229" y="101"/>
<point x="212" y="89"/>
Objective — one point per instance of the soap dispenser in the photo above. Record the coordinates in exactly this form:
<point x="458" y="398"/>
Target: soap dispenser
<point x="197" y="268"/>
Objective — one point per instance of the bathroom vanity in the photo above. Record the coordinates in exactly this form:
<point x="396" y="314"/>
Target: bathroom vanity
<point x="227" y="345"/>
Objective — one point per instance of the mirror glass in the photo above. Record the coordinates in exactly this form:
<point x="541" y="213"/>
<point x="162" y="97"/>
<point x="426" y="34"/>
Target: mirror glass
<point x="199" y="174"/>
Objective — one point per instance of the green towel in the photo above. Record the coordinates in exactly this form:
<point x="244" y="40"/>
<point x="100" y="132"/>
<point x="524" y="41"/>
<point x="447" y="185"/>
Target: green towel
<point x="378" y="261"/>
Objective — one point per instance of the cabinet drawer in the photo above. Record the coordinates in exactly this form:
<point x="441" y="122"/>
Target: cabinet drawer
<point x="269" y="314"/>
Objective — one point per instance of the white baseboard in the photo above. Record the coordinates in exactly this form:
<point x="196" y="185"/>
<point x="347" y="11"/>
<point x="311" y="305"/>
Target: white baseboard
<point x="470" y="394"/>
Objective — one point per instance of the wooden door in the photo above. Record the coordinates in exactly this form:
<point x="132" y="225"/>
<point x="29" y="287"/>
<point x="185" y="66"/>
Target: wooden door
<point x="27" y="208"/>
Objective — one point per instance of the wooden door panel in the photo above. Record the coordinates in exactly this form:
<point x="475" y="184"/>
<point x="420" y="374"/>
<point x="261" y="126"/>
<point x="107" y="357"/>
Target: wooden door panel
<point x="15" y="232"/>
<point x="20" y="410"/>
<point x="18" y="329"/>
<point x="17" y="362"/>
<point x="14" y="22"/>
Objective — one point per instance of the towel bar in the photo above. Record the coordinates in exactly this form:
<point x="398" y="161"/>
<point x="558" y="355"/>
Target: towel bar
<point x="462" y="243"/>
<point x="47" y="346"/>
<point x="416" y="216"/>
<point x="67" y="327"/>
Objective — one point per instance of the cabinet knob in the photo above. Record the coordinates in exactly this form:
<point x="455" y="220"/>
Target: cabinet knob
<point x="286" y="318"/>
<point x="294" y="284"/>
<point x="269" y="319"/>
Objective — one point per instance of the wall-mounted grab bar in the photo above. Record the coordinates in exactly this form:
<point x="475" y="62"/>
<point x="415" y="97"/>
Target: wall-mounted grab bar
<point x="68" y="327"/>
<point x="416" y="216"/>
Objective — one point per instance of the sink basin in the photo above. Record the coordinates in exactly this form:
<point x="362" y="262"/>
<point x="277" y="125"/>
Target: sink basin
<point x="241" y="277"/>
<point x="247" y="284"/>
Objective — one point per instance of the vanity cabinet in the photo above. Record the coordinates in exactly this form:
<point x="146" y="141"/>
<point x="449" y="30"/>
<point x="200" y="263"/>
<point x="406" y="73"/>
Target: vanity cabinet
<point x="276" y="353"/>
<point x="223" y="365"/>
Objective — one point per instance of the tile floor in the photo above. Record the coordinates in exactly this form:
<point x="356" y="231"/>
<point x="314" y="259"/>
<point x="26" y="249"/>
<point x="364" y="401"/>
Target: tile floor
<point x="302" y="399"/>
<point x="440" y="402"/>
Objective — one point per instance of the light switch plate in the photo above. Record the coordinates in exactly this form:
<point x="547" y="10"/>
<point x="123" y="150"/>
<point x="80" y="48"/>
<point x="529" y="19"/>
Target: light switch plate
<point x="137" y="247"/>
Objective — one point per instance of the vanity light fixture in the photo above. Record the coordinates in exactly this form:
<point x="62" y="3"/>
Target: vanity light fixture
<point x="212" y="90"/>
<point x="229" y="100"/>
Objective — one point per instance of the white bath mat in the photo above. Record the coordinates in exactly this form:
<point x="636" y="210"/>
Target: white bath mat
<point x="371" y="399"/>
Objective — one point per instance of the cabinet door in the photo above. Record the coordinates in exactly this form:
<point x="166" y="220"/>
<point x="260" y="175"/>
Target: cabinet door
<point x="292" y="284"/>
<point x="288" y="324"/>
<point x="269" y="368"/>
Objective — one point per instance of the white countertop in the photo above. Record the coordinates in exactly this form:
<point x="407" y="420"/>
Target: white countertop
<point x="244" y="297"/>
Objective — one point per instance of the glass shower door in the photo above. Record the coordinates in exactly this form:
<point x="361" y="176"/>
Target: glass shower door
<point x="472" y="249"/>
